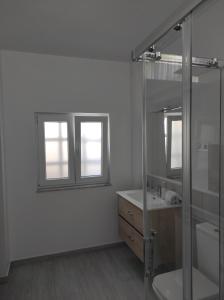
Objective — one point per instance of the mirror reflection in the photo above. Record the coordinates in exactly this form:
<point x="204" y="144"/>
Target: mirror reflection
<point x="165" y="121"/>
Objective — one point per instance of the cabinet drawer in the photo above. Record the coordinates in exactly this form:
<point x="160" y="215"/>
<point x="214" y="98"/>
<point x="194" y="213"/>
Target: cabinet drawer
<point x="132" y="238"/>
<point x="131" y="213"/>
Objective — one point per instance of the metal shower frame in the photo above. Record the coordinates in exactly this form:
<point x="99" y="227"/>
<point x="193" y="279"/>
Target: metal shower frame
<point x="181" y="16"/>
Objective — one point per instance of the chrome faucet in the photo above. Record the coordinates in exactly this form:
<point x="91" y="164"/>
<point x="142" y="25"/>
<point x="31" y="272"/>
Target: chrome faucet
<point x="159" y="191"/>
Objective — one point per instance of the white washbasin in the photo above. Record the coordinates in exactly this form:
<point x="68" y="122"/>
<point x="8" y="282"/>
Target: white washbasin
<point x="153" y="202"/>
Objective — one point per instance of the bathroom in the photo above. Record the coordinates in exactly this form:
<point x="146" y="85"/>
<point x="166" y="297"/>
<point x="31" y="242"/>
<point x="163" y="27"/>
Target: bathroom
<point x="130" y="205"/>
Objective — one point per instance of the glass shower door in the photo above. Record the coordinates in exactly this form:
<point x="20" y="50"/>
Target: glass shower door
<point x="184" y="118"/>
<point x="205" y="205"/>
<point x="206" y="151"/>
<point x="163" y="168"/>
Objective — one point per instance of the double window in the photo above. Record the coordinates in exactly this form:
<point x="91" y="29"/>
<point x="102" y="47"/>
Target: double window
<point x="73" y="149"/>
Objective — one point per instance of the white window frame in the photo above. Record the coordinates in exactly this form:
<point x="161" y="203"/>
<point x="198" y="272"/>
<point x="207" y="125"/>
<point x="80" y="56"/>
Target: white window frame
<point x="104" y="178"/>
<point x="53" y="117"/>
<point x="171" y="172"/>
<point x="74" y="179"/>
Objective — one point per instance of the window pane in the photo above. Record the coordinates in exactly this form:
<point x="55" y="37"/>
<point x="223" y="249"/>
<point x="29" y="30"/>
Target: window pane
<point x="65" y="151"/>
<point x="64" y="130"/>
<point x="52" y="151"/>
<point x="51" y="129"/>
<point x="56" y="150"/>
<point x="176" y="145"/>
<point x="91" y="149"/>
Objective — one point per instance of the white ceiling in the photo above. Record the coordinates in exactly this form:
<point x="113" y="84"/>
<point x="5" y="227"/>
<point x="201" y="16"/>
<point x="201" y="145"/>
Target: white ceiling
<point x="104" y="29"/>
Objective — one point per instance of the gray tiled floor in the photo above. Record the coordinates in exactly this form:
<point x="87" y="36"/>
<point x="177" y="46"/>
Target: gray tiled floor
<point x="109" y="274"/>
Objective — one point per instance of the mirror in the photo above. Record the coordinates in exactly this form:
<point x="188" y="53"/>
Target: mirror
<point x="165" y="121"/>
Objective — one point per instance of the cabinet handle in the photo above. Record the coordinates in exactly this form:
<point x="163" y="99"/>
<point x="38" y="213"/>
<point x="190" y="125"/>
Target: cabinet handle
<point x="131" y="238"/>
<point x="130" y="213"/>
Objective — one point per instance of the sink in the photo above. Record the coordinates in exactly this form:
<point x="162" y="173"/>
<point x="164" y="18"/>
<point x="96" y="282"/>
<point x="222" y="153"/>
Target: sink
<point x="153" y="201"/>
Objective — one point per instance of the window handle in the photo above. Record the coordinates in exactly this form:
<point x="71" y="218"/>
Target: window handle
<point x="77" y="148"/>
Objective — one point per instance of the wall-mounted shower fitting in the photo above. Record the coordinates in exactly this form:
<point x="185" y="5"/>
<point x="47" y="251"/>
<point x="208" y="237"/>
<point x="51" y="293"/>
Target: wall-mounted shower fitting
<point x="178" y="27"/>
<point x="153" y="55"/>
<point x="152" y="48"/>
<point x="213" y="62"/>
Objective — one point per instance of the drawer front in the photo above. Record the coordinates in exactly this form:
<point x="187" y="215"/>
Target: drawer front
<point x="131" y="213"/>
<point x="133" y="239"/>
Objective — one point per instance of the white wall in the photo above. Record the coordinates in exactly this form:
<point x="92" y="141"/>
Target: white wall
<point x="51" y="222"/>
<point x="136" y="114"/>
<point x="206" y="130"/>
<point x="4" y="251"/>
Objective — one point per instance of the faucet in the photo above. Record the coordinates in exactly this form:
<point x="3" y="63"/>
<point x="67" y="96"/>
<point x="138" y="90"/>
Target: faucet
<point x="163" y="189"/>
<point x="159" y="191"/>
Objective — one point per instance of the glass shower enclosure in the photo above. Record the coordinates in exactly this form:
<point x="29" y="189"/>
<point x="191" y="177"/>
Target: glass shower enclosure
<point x="183" y="122"/>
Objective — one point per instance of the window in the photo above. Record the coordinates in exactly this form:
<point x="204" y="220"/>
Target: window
<point x="92" y="150"/>
<point x="56" y="149"/>
<point x="73" y="149"/>
<point x="173" y="142"/>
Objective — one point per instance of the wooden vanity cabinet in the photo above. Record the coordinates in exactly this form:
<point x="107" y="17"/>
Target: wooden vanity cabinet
<point x="132" y="238"/>
<point x="130" y="213"/>
<point x="163" y="221"/>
